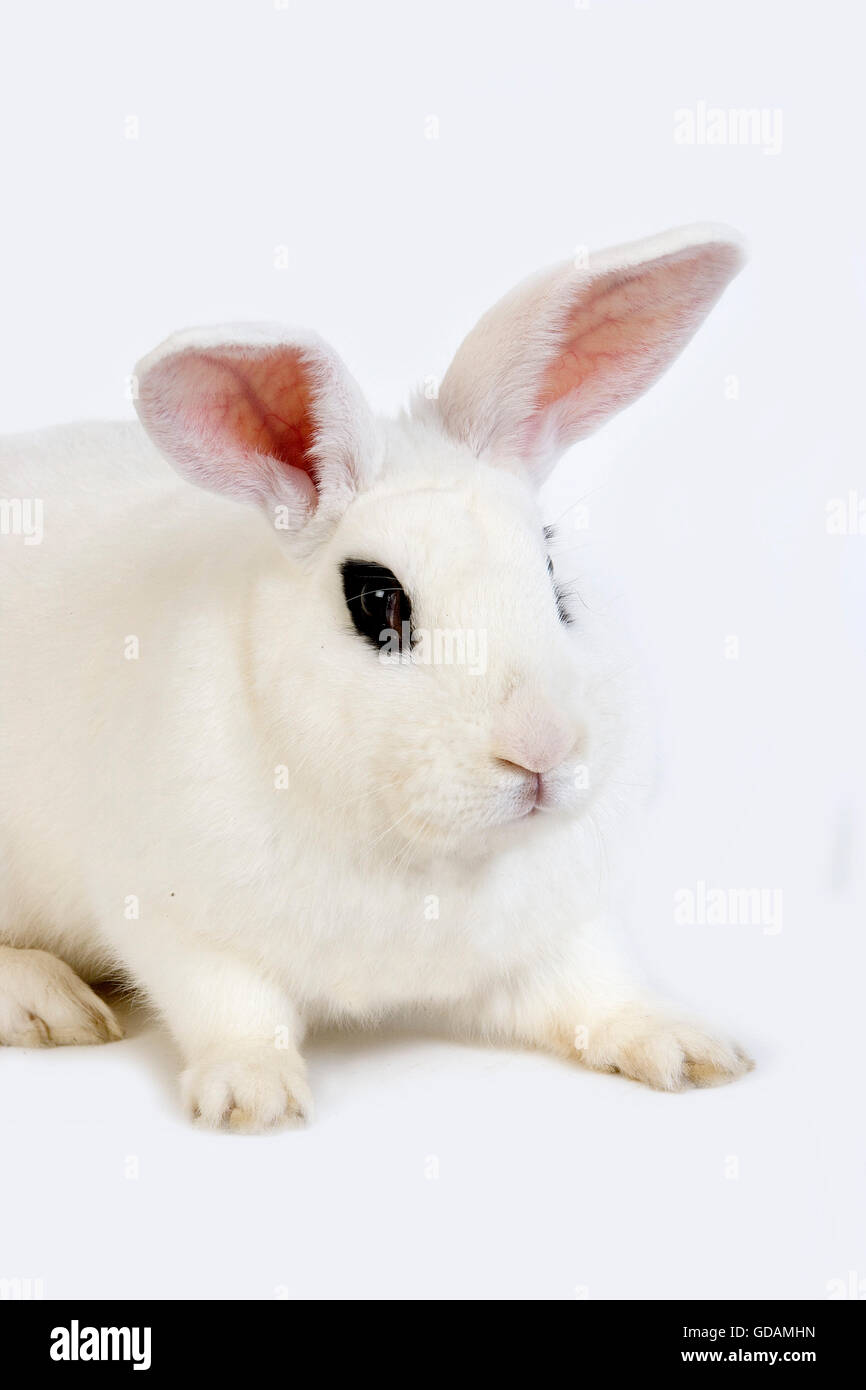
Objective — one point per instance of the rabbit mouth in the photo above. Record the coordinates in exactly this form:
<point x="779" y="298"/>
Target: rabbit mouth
<point x="533" y="796"/>
<point x="471" y="818"/>
<point x="547" y="792"/>
<point x="542" y="796"/>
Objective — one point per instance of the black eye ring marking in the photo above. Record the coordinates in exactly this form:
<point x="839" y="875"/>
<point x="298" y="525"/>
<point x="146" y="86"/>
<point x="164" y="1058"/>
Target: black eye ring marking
<point x="376" y="601"/>
<point x="558" y="593"/>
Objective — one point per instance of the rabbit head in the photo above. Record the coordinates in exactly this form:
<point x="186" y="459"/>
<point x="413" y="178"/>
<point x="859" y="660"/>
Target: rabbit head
<point x="427" y="670"/>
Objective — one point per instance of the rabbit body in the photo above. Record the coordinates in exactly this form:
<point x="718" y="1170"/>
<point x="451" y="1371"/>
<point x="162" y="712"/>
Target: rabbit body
<point x="213" y="784"/>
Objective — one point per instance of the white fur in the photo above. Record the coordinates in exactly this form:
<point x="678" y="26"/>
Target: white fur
<point x="145" y="824"/>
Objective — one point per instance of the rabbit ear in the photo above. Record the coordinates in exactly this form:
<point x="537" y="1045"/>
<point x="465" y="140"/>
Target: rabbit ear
<point x="570" y="347"/>
<point x="260" y="415"/>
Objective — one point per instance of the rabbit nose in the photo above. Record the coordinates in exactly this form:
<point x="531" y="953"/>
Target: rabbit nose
<point x="532" y="736"/>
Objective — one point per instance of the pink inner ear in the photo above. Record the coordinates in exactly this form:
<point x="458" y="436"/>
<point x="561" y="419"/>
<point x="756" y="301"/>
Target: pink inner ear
<point x="621" y="334"/>
<point x="237" y="420"/>
<point x="263" y="405"/>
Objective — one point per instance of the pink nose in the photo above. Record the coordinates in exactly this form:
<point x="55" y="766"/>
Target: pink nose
<point x="532" y="735"/>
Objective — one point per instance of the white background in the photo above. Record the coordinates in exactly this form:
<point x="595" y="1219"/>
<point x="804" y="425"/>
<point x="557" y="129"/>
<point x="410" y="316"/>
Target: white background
<point x="305" y="128"/>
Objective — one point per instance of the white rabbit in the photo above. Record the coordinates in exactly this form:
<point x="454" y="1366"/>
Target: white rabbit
<point x="311" y="741"/>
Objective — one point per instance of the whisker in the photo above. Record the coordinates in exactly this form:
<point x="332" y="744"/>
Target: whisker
<point x="389" y="828"/>
<point x="372" y="791"/>
<point x="570" y="508"/>
<point x="396" y="590"/>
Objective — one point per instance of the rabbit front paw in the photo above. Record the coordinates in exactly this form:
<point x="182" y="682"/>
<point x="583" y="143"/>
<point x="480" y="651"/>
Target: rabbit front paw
<point x="661" y="1050"/>
<point x="43" y="1003"/>
<point x="247" y="1092"/>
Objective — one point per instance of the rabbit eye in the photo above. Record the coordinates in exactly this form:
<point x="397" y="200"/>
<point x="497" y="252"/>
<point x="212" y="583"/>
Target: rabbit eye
<point x="376" y="602"/>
